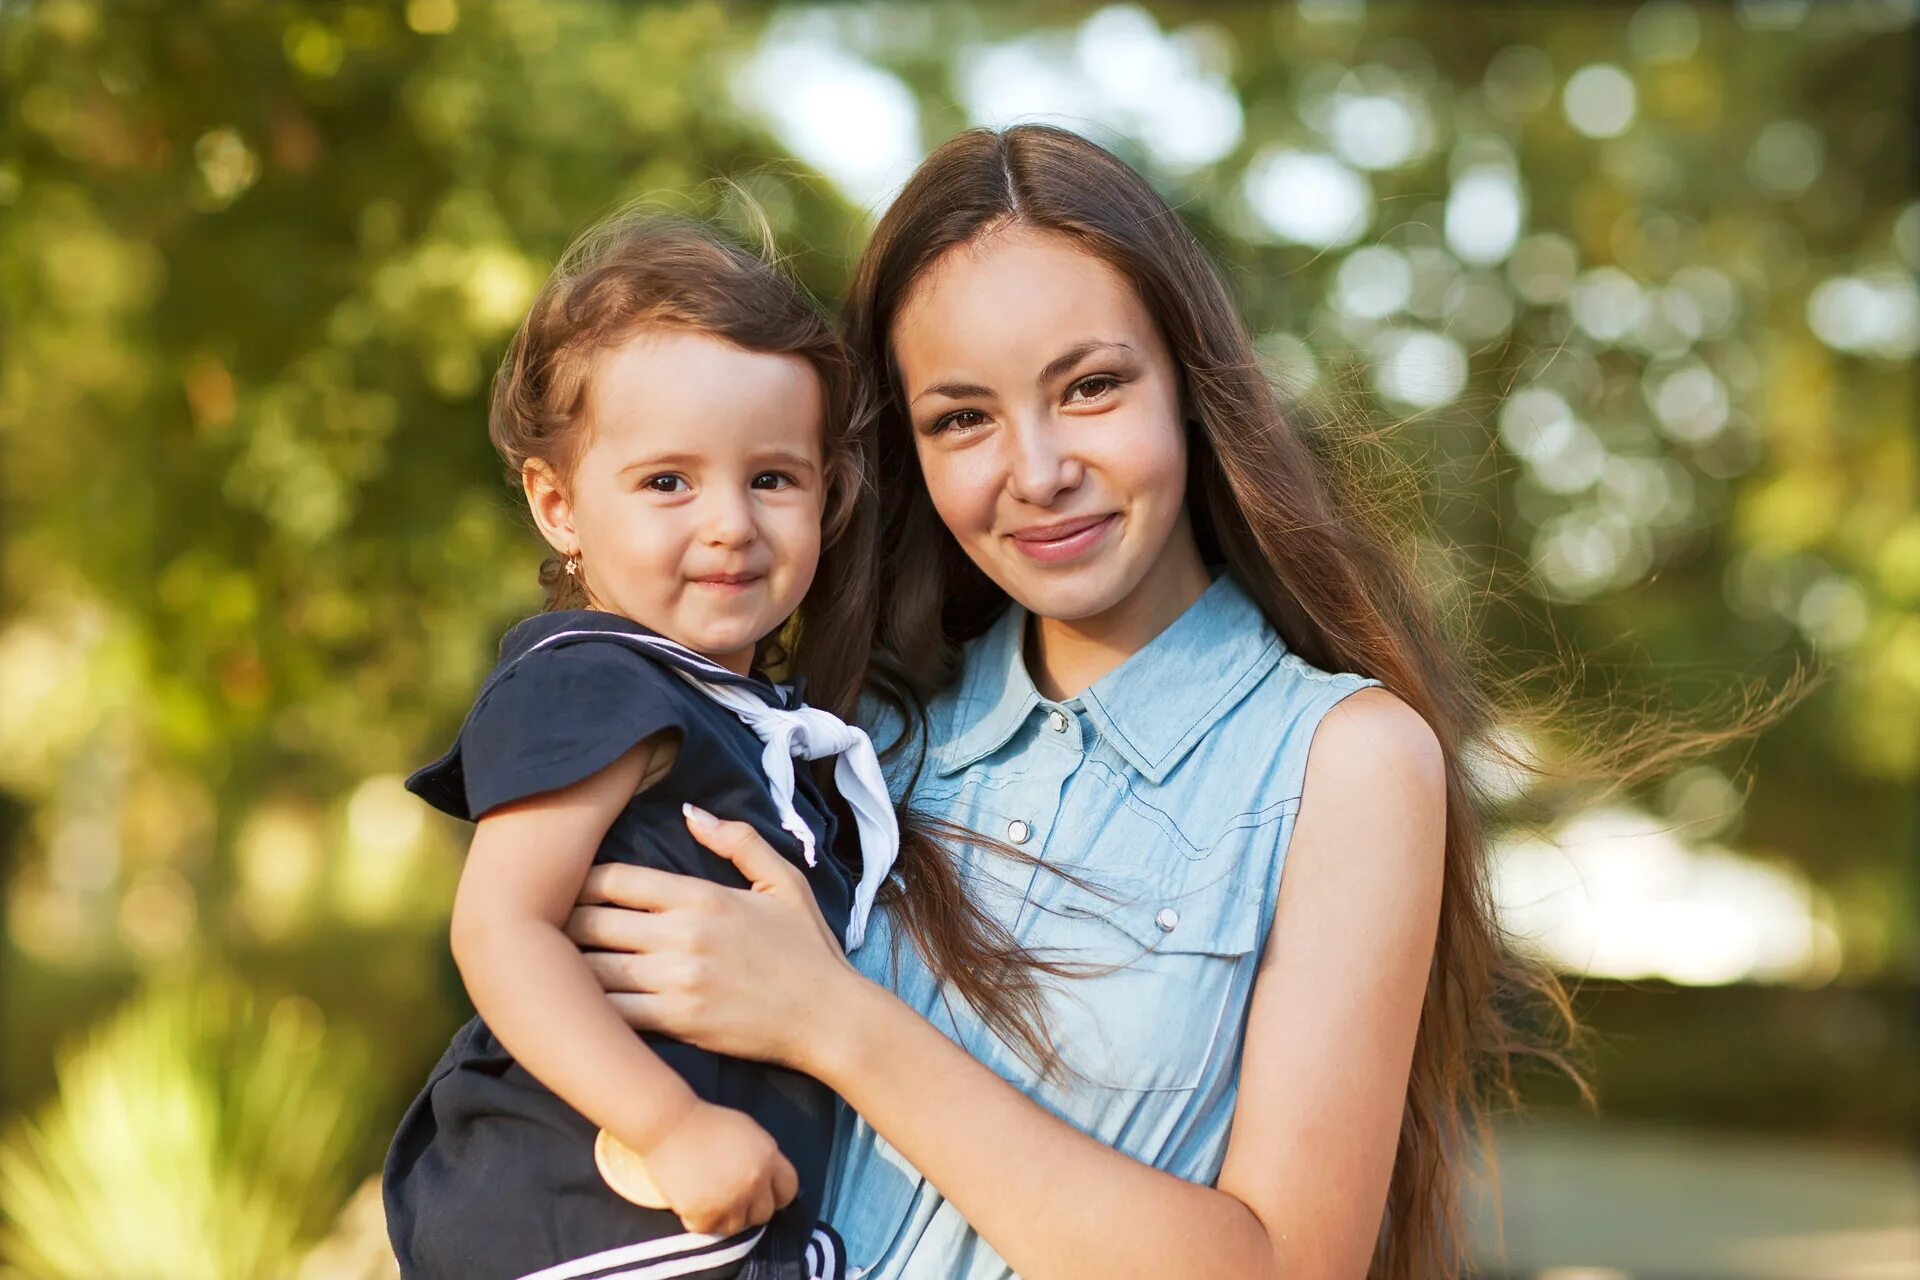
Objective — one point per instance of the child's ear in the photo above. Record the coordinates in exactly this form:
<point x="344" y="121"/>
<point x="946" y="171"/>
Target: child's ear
<point x="552" y="511"/>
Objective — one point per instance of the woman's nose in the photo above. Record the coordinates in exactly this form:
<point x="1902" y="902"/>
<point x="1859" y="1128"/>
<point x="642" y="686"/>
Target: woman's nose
<point x="1040" y="468"/>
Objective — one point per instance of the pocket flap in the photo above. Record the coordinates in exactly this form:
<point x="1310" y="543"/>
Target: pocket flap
<point x="1197" y="913"/>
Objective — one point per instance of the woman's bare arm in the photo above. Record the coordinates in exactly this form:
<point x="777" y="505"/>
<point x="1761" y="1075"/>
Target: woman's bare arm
<point x="1323" y="1078"/>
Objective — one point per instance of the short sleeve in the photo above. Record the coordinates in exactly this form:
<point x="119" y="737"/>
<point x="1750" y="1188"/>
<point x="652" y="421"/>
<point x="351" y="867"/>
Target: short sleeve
<point x="554" y="718"/>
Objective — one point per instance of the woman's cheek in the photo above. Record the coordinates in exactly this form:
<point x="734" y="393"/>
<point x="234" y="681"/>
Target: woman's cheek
<point x="963" y="489"/>
<point x="1150" y="459"/>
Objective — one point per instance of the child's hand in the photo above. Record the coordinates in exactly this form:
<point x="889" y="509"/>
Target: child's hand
<point x="720" y="1171"/>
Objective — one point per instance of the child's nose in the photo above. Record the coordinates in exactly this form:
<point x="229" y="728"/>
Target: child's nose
<point x="728" y="520"/>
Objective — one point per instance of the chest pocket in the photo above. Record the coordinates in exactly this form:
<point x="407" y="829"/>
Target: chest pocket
<point x="1163" y="972"/>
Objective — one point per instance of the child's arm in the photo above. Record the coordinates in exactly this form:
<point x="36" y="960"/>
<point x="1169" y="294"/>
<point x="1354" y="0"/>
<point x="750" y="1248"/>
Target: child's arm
<point x="720" y="1171"/>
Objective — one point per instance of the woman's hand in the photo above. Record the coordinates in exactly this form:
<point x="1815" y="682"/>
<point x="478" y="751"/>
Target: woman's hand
<point x="752" y="973"/>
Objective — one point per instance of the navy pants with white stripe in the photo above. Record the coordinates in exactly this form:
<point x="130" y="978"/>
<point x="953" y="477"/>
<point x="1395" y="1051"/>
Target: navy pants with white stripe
<point x="491" y="1177"/>
<point x="761" y="1253"/>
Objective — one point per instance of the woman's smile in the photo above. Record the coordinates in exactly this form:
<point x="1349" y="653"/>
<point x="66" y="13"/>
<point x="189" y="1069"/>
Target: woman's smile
<point x="1066" y="540"/>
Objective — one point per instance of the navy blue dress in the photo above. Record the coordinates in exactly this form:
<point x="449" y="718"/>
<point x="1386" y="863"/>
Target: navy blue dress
<point x="491" y="1175"/>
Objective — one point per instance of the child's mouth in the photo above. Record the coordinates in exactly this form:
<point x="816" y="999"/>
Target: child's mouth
<point x="727" y="582"/>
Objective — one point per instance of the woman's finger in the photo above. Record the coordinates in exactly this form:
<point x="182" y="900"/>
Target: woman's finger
<point x="615" y="928"/>
<point x="625" y="972"/>
<point x="643" y="1011"/>
<point x="622" y="884"/>
<point x="741" y="845"/>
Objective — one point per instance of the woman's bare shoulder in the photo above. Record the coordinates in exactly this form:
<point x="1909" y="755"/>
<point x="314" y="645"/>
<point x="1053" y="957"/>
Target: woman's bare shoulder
<point x="1372" y="820"/>
<point x="1372" y="738"/>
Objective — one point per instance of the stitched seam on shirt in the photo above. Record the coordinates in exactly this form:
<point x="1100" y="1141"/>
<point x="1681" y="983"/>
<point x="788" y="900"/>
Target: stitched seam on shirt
<point x="1308" y="671"/>
<point x="996" y="779"/>
<point x="1170" y="826"/>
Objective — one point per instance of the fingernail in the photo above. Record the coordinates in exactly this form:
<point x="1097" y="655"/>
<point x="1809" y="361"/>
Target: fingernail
<point x="699" y="818"/>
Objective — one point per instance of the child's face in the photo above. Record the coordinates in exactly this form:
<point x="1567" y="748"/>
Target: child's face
<point x="695" y="508"/>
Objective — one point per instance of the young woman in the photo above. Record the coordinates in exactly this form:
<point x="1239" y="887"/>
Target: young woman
<point x="1133" y="635"/>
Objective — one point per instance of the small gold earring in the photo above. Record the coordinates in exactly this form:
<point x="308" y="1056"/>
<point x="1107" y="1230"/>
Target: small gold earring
<point x="573" y="565"/>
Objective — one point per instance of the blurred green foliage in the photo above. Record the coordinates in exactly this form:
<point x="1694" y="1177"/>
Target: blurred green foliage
<point x="197" y="1136"/>
<point x="258" y="261"/>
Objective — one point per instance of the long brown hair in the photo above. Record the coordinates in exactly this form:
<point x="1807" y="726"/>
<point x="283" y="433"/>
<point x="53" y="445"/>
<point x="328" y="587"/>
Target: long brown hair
<point x="1323" y="566"/>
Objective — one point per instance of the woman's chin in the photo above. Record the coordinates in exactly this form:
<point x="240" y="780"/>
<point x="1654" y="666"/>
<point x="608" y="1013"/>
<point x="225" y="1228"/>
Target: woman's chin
<point x="1075" y="597"/>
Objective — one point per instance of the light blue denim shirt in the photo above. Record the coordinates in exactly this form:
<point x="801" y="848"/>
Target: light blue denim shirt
<point x="1170" y="786"/>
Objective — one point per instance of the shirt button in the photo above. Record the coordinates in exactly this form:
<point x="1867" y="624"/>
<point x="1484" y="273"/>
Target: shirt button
<point x="1057" y="720"/>
<point x="1018" y="831"/>
<point x="1168" y="919"/>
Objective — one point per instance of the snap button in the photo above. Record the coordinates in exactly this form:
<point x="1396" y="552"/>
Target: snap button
<point x="1057" y="720"/>
<point x="1018" y="831"/>
<point x="1168" y="919"/>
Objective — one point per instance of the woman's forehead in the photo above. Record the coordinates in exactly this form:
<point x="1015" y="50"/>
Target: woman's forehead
<point x="1012" y="298"/>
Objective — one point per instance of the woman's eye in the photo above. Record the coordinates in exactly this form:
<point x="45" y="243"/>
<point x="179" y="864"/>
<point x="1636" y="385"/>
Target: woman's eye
<point x="772" y="480"/>
<point x="1092" y="388"/>
<point x="665" y="483"/>
<point x="959" y="419"/>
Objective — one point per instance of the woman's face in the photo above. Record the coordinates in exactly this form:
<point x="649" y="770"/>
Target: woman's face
<point x="1045" y="409"/>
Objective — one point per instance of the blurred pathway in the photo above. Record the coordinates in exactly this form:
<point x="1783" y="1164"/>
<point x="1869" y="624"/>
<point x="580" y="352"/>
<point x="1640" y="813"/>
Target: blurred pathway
<point x="1615" y="1201"/>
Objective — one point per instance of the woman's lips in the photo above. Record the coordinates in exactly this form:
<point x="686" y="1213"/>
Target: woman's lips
<point x="1067" y="540"/>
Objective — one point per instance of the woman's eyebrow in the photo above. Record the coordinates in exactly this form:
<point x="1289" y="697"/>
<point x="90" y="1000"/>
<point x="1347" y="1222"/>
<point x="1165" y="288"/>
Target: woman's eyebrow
<point x="1072" y="356"/>
<point x="954" y="391"/>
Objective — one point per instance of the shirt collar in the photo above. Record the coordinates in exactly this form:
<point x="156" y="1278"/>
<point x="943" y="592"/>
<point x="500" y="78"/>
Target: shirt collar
<point x="996" y="693"/>
<point x="1151" y="709"/>
<point x="543" y="626"/>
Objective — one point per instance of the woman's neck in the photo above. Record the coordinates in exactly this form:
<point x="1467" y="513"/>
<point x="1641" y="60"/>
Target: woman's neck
<point x="1066" y="658"/>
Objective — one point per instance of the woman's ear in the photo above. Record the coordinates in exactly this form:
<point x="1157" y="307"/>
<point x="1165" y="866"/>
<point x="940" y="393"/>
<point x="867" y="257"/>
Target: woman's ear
<point x="552" y="510"/>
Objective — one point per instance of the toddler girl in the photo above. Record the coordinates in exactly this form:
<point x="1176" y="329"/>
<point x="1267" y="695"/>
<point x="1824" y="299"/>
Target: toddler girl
<point x="684" y="426"/>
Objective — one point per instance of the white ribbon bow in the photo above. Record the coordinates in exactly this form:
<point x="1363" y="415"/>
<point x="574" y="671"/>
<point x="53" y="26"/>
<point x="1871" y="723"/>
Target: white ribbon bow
<point x="812" y="734"/>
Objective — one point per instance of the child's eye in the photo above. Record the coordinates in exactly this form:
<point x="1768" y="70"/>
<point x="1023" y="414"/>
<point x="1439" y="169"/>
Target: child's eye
<point x="959" y="419"/>
<point x="772" y="480"/>
<point x="1095" y="386"/>
<point x="665" y="483"/>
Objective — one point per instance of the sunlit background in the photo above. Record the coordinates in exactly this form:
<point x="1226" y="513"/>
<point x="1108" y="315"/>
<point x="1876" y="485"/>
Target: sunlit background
<point x="1629" y="290"/>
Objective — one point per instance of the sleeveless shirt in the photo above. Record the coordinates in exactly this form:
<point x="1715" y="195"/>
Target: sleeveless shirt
<point x="1171" y="786"/>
